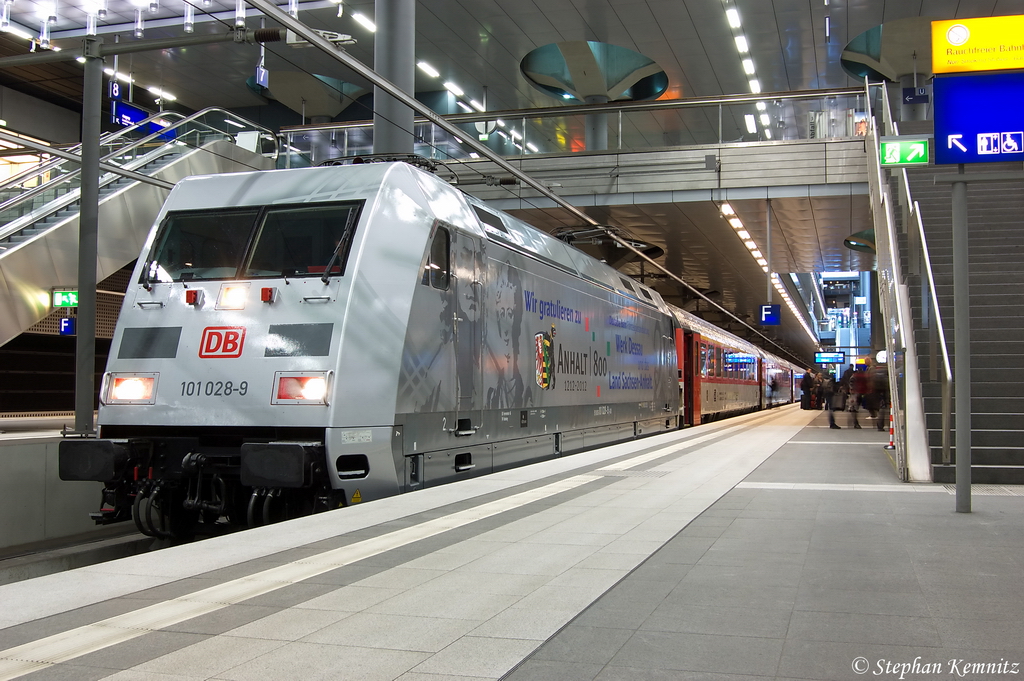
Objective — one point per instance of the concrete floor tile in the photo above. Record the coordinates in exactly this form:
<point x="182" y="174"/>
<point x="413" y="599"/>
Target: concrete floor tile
<point x="478" y="656"/>
<point x="981" y="635"/>
<point x="700" y="653"/>
<point x="534" y="624"/>
<point x="845" y="627"/>
<point x="720" y="620"/>
<point x="863" y="602"/>
<point x="289" y="625"/>
<point x="225" y="619"/>
<point x="589" y="645"/>
<point x="74" y="672"/>
<point x="614" y="673"/>
<point x="350" y="599"/>
<point x="449" y="603"/>
<point x="395" y="632"/>
<point x="316" y="662"/>
<point x="548" y="670"/>
<point x="210" y="657"/>
<point x="418" y="676"/>
<point x="401" y="578"/>
<point x="139" y="650"/>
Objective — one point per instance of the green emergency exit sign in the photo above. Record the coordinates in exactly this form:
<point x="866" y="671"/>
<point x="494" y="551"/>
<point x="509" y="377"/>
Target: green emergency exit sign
<point x="904" y="152"/>
<point x="65" y="298"/>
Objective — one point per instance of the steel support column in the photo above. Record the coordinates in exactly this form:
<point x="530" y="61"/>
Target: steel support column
<point x="962" y="345"/>
<point x="88" y="228"/>
<point x="394" y="57"/>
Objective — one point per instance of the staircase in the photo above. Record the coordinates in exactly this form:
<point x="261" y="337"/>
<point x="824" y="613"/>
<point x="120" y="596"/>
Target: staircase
<point x="994" y="214"/>
<point x="39" y="212"/>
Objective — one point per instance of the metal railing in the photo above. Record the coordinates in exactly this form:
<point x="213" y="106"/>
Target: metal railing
<point x="628" y="127"/>
<point x="893" y="285"/>
<point x="63" y="188"/>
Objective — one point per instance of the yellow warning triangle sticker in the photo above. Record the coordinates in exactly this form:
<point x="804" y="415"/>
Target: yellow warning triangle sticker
<point x="356" y="497"/>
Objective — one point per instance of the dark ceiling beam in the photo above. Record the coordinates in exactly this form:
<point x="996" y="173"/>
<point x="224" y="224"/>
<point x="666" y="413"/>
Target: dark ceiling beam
<point x="240" y="35"/>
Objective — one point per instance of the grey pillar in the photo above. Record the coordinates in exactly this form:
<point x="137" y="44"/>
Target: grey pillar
<point x="85" y="342"/>
<point x="597" y="126"/>
<point x="394" y="58"/>
<point x="962" y="347"/>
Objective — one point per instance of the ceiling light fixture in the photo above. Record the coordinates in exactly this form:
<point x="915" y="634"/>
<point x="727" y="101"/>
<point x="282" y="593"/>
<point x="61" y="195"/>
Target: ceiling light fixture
<point x="454" y="89"/>
<point x="755" y="85"/>
<point x="363" y="21"/>
<point x="463" y="105"/>
<point x="726" y="209"/>
<point x="761" y="106"/>
<point x="239" y="13"/>
<point x="741" y="44"/>
<point x="828" y="27"/>
<point x="428" y="69"/>
<point x="751" y="123"/>
<point x="736" y="223"/>
<point x="140" y="24"/>
<point x="477" y="105"/>
<point x="190" y="18"/>
<point x="733" y="15"/>
<point x="748" y="66"/>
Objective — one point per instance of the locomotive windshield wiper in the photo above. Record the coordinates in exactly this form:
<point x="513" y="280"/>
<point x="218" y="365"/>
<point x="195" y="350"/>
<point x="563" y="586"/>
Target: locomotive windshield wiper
<point x="345" y="235"/>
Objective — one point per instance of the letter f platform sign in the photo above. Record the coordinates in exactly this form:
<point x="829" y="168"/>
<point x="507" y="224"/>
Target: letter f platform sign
<point x="771" y="315"/>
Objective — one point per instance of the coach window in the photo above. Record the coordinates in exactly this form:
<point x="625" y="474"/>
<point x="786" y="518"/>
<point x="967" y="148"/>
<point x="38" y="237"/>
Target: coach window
<point x="718" y="362"/>
<point x="436" y="270"/>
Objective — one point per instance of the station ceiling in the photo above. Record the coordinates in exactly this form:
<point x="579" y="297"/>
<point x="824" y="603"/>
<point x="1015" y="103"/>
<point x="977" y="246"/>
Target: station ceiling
<point x="479" y="44"/>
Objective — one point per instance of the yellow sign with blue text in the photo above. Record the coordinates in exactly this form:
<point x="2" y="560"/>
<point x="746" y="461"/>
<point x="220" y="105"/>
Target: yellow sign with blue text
<point x="984" y="44"/>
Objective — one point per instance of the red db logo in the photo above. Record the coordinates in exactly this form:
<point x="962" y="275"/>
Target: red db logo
<point x="222" y="341"/>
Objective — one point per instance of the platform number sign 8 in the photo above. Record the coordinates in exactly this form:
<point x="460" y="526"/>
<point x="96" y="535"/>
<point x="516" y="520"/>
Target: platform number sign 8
<point x="114" y="89"/>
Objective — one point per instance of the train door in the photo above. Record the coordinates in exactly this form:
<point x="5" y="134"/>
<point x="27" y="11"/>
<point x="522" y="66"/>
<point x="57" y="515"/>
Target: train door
<point x="691" y="379"/>
<point x="468" y="269"/>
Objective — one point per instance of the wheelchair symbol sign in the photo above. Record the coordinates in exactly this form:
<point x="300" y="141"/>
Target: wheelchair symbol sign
<point x="1012" y="142"/>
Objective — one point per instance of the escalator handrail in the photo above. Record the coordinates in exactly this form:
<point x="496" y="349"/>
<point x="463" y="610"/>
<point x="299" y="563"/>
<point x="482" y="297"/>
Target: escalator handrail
<point x="70" y="197"/>
<point x="107" y="138"/>
<point x="20" y="222"/>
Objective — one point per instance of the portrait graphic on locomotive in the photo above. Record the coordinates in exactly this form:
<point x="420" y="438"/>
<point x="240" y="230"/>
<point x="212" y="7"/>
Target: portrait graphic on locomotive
<point x="299" y="340"/>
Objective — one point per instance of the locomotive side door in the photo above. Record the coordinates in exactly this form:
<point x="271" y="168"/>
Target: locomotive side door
<point x="468" y="269"/>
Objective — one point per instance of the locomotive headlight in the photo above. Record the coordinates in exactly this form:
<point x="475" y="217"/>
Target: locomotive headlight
<point x="232" y="297"/>
<point x="301" y="387"/>
<point x="131" y="389"/>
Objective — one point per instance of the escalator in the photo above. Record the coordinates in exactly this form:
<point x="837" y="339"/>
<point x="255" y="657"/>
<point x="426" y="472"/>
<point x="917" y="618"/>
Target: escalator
<point x="39" y="208"/>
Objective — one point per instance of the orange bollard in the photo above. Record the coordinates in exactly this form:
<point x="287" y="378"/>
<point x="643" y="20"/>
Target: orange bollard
<point x="891" y="444"/>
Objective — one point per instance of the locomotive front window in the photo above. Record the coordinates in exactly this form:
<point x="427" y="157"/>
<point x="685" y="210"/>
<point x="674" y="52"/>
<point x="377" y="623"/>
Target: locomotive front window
<point x="272" y="241"/>
<point x="206" y="245"/>
<point x="294" y="241"/>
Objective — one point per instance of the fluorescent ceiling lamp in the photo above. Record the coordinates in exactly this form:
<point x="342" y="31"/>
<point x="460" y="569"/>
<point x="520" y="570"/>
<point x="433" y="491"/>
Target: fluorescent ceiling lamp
<point x="736" y="223"/>
<point x="363" y="21"/>
<point x="767" y="133"/>
<point x="463" y="105"/>
<point x="762" y="262"/>
<point x="750" y="245"/>
<point x="501" y="123"/>
<point x="751" y="123"/>
<point x="733" y="15"/>
<point x="80" y="60"/>
<point x="741" y="44"/>
<point x="727" y="209"/>
<point x="743" y="234"/>
<point x="428" y="69"/>
<point x="765" y="120"/>
<point x="764" y="268"/>
<point x="454" y="89"/>
<point x="748" y="67"/>
<point x="234" y="123"/>
<point x="457" y="140"/>
<point x="531" y="147"/>
<point x="755" y="85"/>
<point x="757" y="254"/>
<point x="515" y="135"/>
<point x="24" y="35"/>
<point x="761" y="106"/>
<point x="828" y="27"/>
<point x="477" y="105"/>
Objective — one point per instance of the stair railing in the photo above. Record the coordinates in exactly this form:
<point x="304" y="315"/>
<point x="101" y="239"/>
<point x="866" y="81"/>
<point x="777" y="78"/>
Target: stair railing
<point x="919" y="261"/>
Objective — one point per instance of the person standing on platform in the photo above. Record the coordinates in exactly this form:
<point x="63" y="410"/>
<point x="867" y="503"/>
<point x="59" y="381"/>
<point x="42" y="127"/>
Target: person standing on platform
<point x="880" y="392"/>
<point x="806" y="386"/>
<point x="828" y="395"/>
<point x="859" y="386"/>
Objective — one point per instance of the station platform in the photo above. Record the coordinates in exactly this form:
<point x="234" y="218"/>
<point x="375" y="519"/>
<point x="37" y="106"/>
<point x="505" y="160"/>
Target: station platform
<point x="761" y="547"/>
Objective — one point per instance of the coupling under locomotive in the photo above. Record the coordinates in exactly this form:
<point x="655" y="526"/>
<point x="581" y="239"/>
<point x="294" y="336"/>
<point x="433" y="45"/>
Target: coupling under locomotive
<point x="294" y="341"/>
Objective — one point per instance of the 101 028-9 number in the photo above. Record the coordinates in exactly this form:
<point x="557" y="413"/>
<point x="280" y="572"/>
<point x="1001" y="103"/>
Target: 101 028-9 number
<point x="213" y="388"/>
